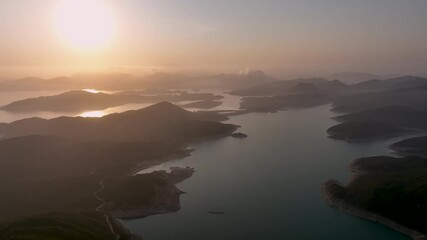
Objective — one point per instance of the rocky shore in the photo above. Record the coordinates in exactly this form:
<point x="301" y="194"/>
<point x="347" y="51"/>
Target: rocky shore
<point x="331" y="186"/>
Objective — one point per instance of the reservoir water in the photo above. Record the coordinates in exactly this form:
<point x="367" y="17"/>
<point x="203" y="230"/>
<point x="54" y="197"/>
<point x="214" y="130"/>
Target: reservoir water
<point x="268" y="185"/>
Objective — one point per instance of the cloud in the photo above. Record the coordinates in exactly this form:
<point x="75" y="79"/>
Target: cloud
<point x="248" y="71"/>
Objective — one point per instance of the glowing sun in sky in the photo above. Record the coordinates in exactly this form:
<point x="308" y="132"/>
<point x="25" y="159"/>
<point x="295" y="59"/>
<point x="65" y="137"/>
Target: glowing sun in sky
<point x="84" y="24"/>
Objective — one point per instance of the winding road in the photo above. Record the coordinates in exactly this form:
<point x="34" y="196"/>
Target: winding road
<point x="101" y="206"/>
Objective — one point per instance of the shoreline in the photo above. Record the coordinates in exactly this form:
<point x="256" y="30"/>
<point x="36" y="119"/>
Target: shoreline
<point x="186" y="152"/>
<point x="136" y="213"/>
<point x="118" y="224"/>
<point x="345" y="207"/>
<point x="371" y="139"/>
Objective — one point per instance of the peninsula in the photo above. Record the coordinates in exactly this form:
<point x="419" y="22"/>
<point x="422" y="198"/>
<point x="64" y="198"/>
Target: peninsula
<point x="81" y="170"/>
<point x="388" y="190"/>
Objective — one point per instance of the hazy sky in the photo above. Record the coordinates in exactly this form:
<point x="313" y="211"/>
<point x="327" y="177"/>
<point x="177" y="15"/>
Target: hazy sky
<point x="282" y="37"/>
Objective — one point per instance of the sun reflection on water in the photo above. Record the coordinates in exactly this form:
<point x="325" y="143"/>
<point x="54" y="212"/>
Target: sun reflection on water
<point x="90" y="90"/>
<point x="93" y="114"/>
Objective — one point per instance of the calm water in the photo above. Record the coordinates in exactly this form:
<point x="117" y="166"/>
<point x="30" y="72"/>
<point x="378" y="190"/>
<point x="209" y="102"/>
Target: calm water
<point x="268" y="185"/>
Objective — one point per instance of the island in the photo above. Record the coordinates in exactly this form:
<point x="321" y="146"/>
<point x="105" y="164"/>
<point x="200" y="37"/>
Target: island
<point x="391" y="191"/>
<point x="239" y="135"/>
<point x="162" y="121"/>
<point x="82" y="100"/>
<point x="296" y="86"/>
<point x="411" y="146"/>
<point x="395" y="115"/>
<point x="276" y="103"/>
<point x="363" y="131"/>
<point x="204" y="104"/>
<point x="414" y="98"/>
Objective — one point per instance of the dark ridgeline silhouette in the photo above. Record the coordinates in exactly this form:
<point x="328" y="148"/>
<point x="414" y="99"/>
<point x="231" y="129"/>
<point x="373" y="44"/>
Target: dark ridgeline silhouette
<point x="413" y="97"/>
<point x="354" y="77"/>
<point x="377" y="123"/>
<point x="275" y="103"/>
<point x="411" y="146"/>
<point x="80" y="100"/>
<point x="121" y="81"/>
<point x="162" y="121"/>
<point x="204" y="104"/>
<point x="300" y="85"/>
<point x="363" y="131"/>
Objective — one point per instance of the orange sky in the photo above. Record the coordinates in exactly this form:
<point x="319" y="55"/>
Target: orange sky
<point x="283" y="37"/>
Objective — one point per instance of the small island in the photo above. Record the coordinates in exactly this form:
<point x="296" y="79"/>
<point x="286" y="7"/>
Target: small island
<point x="239" y="135"/>
<point x="204" y="104"/>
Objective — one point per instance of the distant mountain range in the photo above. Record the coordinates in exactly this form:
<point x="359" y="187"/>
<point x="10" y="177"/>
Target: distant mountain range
<point x="295" y="86"/>
<point x="119" y="81"/>
<point x="80" y="100"/>
<point x="250" y="83"/>
<point x="353" y="77"/>
<point x="413" y="97"/>
<point x="334" y="88"/>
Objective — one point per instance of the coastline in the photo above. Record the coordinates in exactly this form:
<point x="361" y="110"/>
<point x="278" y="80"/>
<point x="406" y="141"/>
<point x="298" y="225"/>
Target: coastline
<point x="116" y="215"/>
<point x="186" y="152"/>
<point x="123" y="229"/>
<point x="345" y="207"/>
<point x="370" y="139"/>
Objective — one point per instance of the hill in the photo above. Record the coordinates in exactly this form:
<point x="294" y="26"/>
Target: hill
<point x="80" y="100"/>
<point x="54" y="174"/>
<point x="353" y="77"/>
<point x="411" y="146"/>
<point x="376" y="85"/>
<point x="122" y="81"/>
<point x="300" y="85"/>
<point x="60" y="226"/>
<point x="391" y="191"/>
<point x="271" y="104"/>
<point x="362" y="131"/>
<point x="415" y="98"/>
<point x="157" y="122"/>
<point x="393" y="115"/>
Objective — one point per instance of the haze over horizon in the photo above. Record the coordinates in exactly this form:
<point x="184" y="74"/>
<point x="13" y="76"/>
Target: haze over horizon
<point x="283" y="38"/>
<point x="263" y="112"/>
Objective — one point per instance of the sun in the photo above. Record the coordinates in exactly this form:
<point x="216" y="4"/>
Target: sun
<point x="84" y="24"/>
